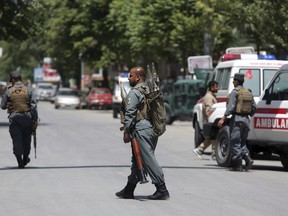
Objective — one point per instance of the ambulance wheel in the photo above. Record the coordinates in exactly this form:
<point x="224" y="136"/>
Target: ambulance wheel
<point x="223" y="148"/>
<point x="198" y="136"/>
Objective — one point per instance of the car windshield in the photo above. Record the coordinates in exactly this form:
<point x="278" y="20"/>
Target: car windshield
<point x="68" y="92"/>
<point x="45" y="87"/>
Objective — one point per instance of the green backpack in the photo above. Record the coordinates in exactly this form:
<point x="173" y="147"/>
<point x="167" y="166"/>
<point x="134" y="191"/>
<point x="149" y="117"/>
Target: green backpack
<point x="154" y="109"/>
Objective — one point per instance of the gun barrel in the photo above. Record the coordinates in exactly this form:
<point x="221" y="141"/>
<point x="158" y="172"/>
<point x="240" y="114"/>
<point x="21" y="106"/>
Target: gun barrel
<point x="35" y="143"/>
<point x="137" y="155"/>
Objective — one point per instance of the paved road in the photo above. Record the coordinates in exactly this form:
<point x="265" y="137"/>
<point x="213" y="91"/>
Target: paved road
<point x="82" y="161"/>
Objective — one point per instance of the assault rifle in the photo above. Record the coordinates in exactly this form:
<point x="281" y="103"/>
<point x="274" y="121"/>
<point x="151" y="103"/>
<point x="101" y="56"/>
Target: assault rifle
<point x="34" y="128"/>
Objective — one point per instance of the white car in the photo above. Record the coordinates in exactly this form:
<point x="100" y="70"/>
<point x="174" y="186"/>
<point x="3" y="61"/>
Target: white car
<point x="67" y="98"/>
<point x="45" y="91"/>
<point x="122" y="79"/>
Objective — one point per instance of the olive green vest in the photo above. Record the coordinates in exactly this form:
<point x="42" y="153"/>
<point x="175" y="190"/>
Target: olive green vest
<point x="19" y="100"/>
<point x="244" y="101"/>
<point x="142" y="112"/>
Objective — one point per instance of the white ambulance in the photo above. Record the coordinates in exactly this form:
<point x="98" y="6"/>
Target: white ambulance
<point x="268" y="134"/>
<point x="269" y="126"/>
<point x="258" y="70"/>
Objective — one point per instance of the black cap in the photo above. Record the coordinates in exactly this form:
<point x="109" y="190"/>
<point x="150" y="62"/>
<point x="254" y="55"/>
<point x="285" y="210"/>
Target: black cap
<point x="239" y="76"/>
<point x="14" y="74"/>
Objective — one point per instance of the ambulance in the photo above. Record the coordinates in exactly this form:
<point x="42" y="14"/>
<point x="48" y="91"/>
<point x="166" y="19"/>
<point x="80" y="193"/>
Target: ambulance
<point x="258" y="70"/>
<point x="269" y="126"/>
<point x="268" y="129"/>
<point x="261" y="141"/>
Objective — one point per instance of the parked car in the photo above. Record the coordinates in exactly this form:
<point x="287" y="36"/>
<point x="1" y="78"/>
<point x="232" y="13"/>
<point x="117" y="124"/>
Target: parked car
<point x="67" y="98"/>
<point x="2" y="87"/>
<point x="99" y="98"/>
<point x="45" y="91"/>
<point x="121" y="79"/>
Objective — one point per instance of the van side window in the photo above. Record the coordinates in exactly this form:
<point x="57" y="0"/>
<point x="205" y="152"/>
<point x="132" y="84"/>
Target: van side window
<point x="223" y="78"/>
<point x="278" y="90"/>
<point x="252" y="80"/>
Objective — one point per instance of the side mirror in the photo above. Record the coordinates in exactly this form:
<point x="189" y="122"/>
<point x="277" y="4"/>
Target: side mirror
<point x="267" y="97"/>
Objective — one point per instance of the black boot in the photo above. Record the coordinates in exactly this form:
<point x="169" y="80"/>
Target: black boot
<point x="248" y="162"/>
<point x="237" y="166"/>
<point x="161" y="193"/>
<point x="26" y="160"/>
<point x="127" y="192"/>
<point x="20" y="162"/>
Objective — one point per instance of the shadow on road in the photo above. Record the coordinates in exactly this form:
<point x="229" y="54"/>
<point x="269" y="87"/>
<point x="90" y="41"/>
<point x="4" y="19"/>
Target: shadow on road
<point x="206" y="166"/>
<point x="107" y="166"/>
<point x="259" y="167"/>
<point x="6" y="124"/>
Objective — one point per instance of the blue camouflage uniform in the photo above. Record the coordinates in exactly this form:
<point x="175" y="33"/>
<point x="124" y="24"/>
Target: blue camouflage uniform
<point x="142" y="130"/>
<point x="20" y="123"/>
<point x="239" y="126"/>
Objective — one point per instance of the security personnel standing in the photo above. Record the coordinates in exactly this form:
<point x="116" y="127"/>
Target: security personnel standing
<point x="142" y="130"/>
<point x="23" y="116"/>
<point x="239" y="125"/>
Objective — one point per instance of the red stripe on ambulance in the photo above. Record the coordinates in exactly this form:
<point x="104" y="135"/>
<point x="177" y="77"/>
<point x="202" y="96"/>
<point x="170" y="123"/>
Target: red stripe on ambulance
<point x="271" y="110"/>
<point x="271" y="123"/>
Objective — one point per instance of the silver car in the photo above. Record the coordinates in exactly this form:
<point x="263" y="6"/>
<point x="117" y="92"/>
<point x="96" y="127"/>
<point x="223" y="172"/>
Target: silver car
<point x="44" y="91"/>
<point x="67" y="98"/>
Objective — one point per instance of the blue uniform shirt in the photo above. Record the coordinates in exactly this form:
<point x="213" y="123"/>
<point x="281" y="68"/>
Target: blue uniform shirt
<point x="135" y="99"/>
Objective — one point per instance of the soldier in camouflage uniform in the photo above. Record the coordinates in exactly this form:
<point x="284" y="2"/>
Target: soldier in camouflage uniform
<point x="23" y="116"/>
<point x="142" y="130"/>
<point x="239" y="127"/>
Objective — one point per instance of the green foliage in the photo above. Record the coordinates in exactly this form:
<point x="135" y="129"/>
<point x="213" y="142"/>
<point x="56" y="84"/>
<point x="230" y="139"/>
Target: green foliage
<point x="104" y="33"/>
<point x="15" y="57"/>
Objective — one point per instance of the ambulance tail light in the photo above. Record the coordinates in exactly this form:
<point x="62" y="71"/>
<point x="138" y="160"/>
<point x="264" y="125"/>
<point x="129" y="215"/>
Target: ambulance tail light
<point x="229" y="57"/>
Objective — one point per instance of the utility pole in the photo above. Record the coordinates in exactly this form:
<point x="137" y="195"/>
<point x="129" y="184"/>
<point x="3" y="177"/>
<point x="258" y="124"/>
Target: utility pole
<point x="81" y="71"/>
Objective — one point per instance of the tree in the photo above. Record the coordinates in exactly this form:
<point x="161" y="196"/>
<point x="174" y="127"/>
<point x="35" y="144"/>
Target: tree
<point x="22" y="26"/>
<point x="19" y="19"/>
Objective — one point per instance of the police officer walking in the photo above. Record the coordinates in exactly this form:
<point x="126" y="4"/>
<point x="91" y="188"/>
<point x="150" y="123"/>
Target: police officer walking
<point x="239" y="123"/>
<point x="142" y="130"/>
<point x="23" y="116"/>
